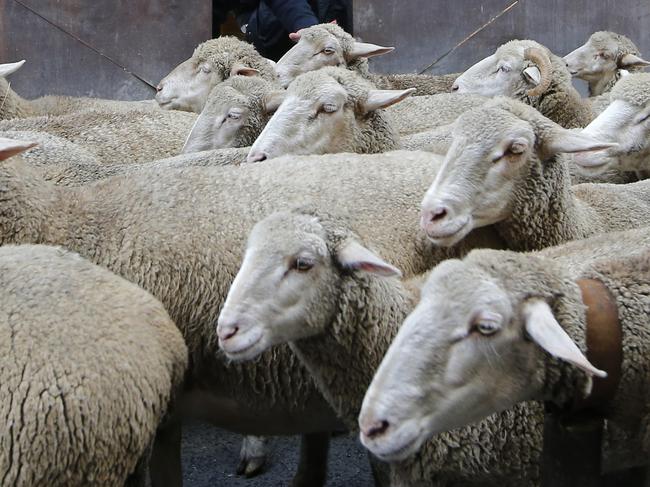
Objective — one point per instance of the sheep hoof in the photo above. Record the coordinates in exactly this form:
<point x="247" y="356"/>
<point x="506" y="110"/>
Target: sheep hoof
<point x="252" y="456"/>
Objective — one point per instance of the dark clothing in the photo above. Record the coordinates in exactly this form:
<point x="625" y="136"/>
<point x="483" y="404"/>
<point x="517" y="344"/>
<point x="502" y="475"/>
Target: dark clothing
<point x="269" y="22"/>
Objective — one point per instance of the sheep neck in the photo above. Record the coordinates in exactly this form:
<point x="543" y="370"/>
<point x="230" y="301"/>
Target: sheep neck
<point x="374" y="133"/>
<point x="604" y="84"/>
<point x="343" y="359"/>
<point x="544" y="210"/>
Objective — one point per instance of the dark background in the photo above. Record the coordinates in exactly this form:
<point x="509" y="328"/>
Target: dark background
<point x="150" y="37"/>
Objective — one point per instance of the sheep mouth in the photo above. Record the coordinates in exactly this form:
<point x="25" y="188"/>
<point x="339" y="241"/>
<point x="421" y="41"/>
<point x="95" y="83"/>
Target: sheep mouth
<point x="244" y="348"/>
<point x="450" y="233"/>
<point x="406" y="447"/>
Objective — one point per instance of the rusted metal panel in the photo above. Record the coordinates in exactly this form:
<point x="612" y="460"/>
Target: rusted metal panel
<point x="147" y="37"/>
<point x="423" y="30"/>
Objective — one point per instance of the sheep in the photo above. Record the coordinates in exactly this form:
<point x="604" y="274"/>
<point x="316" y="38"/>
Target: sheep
<point x="502" y="169"/>
<point x="89" y="367"/>
<point x="13" y="105"/>
<point x="52" y="150"/>
<point x="603" y="60"/>
<point x="189" y="84"/>
<point x="144" y="227"/>
<point x="234" y="115"/>
<point x="529" y="72"/>
<point x="111" y="136"/>
<point x="326" y="111"/>
<point x="624" y="122"/>
<point x="299" y="283"/>
<point x="329" y="45"/>
<point x="523" y="315"/>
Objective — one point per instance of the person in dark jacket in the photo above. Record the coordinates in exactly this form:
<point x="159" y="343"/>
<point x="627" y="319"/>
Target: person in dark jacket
<point x="267" y="23"/>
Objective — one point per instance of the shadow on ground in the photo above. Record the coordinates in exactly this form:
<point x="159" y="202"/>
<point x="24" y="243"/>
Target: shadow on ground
<point x="210" y="456"/>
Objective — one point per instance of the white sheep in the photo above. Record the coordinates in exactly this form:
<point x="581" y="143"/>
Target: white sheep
<point x="326" y="111"/>
<point x="604" y="59"/>
<point x="503" y="169"/>
<point x="13" y="105"/>
<point x="626" y="122"/>
<point x="324" y="45"/>
<point x="127" y="136"/>
<point x="144" y="227"/>
<point x="498" y="328"/>
<point x="89" y="366"/>
<point x="188" y="85"/>
<point x="529" y="72"/>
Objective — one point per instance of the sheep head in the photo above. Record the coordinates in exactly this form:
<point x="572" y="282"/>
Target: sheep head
<point x="289" y="282"/>
<point x="492" y="155"/>
<point x="322" y="45"/>
<point x="517" y="69"/>
<point x="477" y="343"/>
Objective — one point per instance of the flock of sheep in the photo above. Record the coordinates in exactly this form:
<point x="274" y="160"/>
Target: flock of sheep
<point x="250" y="255"/>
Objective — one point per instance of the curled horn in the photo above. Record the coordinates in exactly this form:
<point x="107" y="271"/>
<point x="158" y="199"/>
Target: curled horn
<point x="541" y="59"/>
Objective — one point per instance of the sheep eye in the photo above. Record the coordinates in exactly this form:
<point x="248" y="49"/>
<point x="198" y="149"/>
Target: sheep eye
<point x="328" y="51"/>
<point x="486" y="324"/>
<point x="234" y="115"/>
<point x="328" y="108"/>
<point x="204" y="69"/>
<point x="503" y="69"/>
<point x="302" y="264"/>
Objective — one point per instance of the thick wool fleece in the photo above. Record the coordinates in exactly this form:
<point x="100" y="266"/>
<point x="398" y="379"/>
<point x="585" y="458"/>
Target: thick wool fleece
<point x="371" y="133"/>
<point x="12" y="105"/>
<point x="136" y="135"/>
<point x="344" y="358"/>
<point x="561" y="102"/>
<point x="51" y="150"/>
<point x="633" y="89"/>
<point x="179" y="234"/>
<point x="226" y="51"/>
<point x="414" y="115"/>
<point x="88" y="366"/>
<point x="547" y="210"/>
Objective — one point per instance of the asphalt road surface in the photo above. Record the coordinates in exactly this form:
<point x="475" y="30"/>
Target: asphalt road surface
<point x="210" y="457"/>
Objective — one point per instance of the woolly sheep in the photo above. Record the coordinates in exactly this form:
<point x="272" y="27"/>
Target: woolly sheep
<point x="51" y="150"/>
<point x="13" y="105"/>
<point x="234" y="115"/>
<point x="89" y="366"/>
<point x="188" y="85"/>
<point x="502" y="169"/>
<point x="326" y="111"/>
<point x="627" y="122"/>
<point x="523" y="315"/>
<point x="529" y="72"/>
<point x="194" y="264"/>
<point x="114" y="137"/>
<point x="603" y="60"/>
<point x="329" y="45"/>
<point x="309" y="280"/>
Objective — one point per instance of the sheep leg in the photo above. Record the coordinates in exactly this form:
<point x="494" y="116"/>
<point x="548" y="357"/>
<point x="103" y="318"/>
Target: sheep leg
<point x="312" y="466"/>
<point x="165" y="463"/>
<point x="252" y="456"/>
<point x="138" y="477"/>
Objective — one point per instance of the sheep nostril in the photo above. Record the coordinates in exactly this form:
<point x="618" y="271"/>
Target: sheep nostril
<point x="438" y="214"/>
<point x="159" y="87"/>
<point x="228" y="333"/>
<point x="454" y="87"/>
<point x="258" y="157"/>
<point x="378" y="428"/>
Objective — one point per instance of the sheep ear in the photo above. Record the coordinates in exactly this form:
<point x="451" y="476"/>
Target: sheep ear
<point x="9" y="68"/>
<point x="632" y="61"/>
<point x="384" y="98"/>
<point x="563" y="140"/>
<point x="241" y="70"/>
<point x="273" y="100"/>
<point x="353" y="255"/>
<point x="533" y="75"/>
<point x="365" y="50"/>
<point x="11" y="147"/>
<point x="544" y="329"/>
